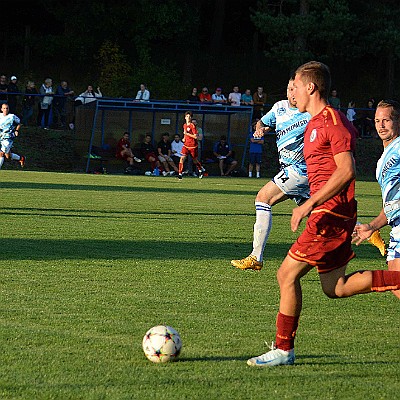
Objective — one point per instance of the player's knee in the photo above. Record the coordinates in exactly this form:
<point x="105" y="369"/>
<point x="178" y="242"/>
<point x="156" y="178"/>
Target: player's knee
<point x="330" y="293"/>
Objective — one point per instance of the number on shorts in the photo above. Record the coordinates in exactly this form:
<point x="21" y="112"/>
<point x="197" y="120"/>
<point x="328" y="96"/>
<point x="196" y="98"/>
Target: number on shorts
<point x="282" y="176"/>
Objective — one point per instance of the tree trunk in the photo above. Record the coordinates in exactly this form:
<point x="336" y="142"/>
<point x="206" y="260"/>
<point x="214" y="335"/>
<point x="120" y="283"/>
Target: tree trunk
<point x="300" y="40"/>
<point x="216" y="37"/>
<point x="27" y="47"/>
<point x="390" y="73"/>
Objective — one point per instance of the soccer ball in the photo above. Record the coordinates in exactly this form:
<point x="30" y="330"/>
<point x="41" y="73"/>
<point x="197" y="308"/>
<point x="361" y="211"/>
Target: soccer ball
<point x="162" y="344"/>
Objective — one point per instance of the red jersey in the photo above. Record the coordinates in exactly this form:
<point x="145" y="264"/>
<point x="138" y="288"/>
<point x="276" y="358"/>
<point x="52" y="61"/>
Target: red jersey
<point x="190" y="142"/>
<point x="205" y="97"/>
<point x="327" y="134"/>
<point x="122" y="144"/>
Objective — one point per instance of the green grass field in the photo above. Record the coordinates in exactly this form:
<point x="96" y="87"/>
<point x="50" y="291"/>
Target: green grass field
<point x="90" y="262"/>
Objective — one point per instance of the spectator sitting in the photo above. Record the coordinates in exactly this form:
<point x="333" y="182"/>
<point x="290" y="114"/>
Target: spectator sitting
<point x="235" y="97"/>
<point x="218" y="97"/>
<point x="204" y="96"/>
<point x="176" y="150"/>
<point x="247" y="99"/>
<point x="164" y="155"/>
<point x="12" y="98"/>
<point x="88" y="96"/>
<point x="149" y="152"/>
<point x="124" y="151"/>
<point x="143" y="94"/>
<point x="223" y="152"/>
<point x="193" y="98"/>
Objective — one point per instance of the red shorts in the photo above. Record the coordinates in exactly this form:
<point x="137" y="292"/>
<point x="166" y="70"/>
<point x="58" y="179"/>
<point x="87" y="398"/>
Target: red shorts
<point x="326" y="241"/>
<point x="148" y="155"/>
<point x="193" y="151"/>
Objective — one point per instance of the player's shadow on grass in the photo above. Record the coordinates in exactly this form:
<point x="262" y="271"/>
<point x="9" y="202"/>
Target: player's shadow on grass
<point x="212" y="189"/>
<point x="96" y="249"/>
<point x="90" y="249"/>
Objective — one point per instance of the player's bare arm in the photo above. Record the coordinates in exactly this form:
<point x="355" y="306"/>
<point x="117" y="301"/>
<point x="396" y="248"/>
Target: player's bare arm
<point x="191" y="135"/>
<point x="364" y="231"/>
<point x="343" y="175"/>
<point x="261" y="129"/>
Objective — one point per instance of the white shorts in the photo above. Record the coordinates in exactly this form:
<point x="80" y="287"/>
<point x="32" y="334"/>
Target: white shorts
<point x="165" y="158"/>
<point x="293" y="184"/>
<point x="393" y="250"/>
<point x="6" y="145"/>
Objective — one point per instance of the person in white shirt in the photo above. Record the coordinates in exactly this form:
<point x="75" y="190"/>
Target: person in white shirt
<point x="218" y="97"/>
<point x="143" y="94"/>
<point x="235" y="97"/>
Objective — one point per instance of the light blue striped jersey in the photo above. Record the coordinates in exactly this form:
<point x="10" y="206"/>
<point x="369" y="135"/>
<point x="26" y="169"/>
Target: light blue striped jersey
<point x="289" y="124"/>
<point x="7" y="126"/>
<point x="388" y="177"/>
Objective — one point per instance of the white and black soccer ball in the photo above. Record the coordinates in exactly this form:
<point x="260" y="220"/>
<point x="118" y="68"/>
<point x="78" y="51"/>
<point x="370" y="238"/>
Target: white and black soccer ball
<point x="162" y="344"/>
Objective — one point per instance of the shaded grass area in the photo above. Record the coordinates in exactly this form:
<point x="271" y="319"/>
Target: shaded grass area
<point x="89" y="263"/>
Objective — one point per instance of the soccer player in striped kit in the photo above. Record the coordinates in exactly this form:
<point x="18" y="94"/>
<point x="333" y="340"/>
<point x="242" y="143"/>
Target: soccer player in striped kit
<point x="387" y="124"/>
<point x="291" y="181"/>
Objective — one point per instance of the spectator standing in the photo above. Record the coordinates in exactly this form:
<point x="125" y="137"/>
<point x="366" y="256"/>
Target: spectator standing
<point x="259" y="99"/>
<point x="193" y="97"/>
<point x="247" y="98"/>
<point x="28" y="102"/>
<point x="218" y="97"/>
<point x="46" y="100"/>
<point x="333" y="100"/>
<point x="223" y="153"/>
<point x="204" y="96"/>
<point x="369" y="119"/>
<point x="352" y="116"/>
<point x="13" y="98"/>
<point x="255" y="153"/>
<point x="235" y="97"/>
<point x="3" y="89"/>
<point x="63" y="92"/>
<point x="143" y="94"/>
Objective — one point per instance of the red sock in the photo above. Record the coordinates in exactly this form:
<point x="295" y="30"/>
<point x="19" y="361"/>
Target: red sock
<point x="180" y="169"/>
<point x="286" y="331"/>
<point x="199" y="166"/>
<point x="383" y="281"/>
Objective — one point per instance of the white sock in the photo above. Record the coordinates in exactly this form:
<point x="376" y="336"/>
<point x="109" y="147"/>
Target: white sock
<point x="262" y="228"/>
<point x="15" y="157"/>
<point x="1" y="161"/>
<point x="250" y="174"/>
<point x="258" y="174"/>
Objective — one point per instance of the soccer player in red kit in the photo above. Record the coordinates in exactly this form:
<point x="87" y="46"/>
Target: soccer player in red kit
<point x="325" y="243"/>
<point x="190" y="145"/>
